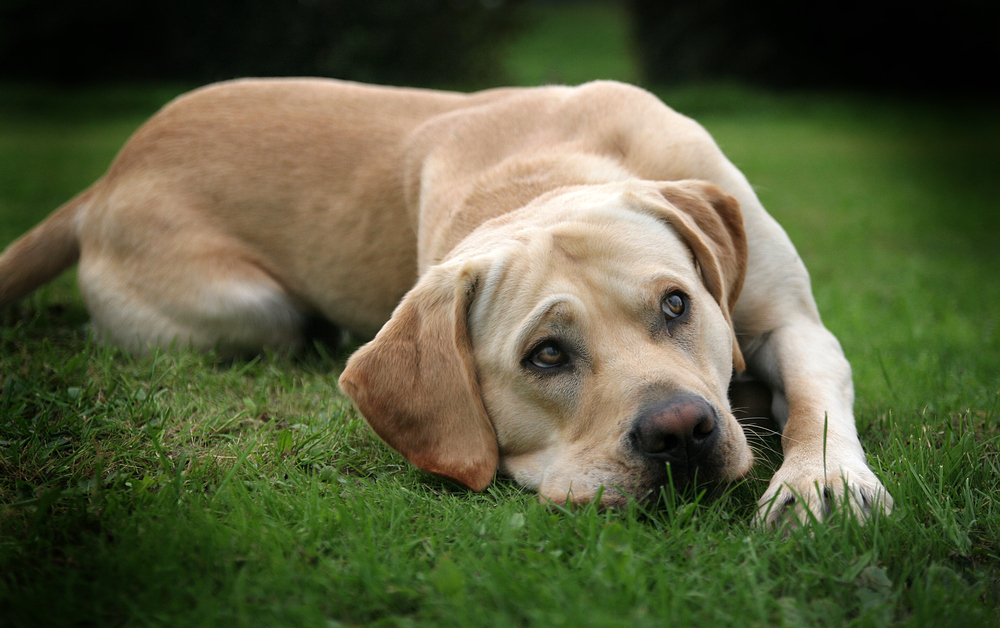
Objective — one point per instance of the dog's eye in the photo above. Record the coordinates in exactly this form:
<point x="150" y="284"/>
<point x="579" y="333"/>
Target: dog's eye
<point x="674" y="305"/>
<point x="548" y="355"/>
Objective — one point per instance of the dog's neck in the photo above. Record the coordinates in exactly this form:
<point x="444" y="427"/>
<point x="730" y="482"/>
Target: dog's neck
<point x="448" y="213"/>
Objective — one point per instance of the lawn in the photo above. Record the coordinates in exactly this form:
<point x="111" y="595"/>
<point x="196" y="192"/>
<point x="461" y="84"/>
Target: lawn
<point x="178" y="490"/>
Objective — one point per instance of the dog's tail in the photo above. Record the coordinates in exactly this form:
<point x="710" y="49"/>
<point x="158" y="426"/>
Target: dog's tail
<point x="41" y="254"/>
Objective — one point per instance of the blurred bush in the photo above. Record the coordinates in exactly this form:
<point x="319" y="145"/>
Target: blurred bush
<point x="388" y="41"/>
<point x="865" y="44"/>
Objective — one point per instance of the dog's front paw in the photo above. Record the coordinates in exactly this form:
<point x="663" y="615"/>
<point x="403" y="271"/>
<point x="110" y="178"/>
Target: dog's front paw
<point x="802" y="491"/>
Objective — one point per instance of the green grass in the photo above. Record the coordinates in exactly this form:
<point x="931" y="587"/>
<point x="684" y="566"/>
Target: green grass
<point x="579" y="43"/>
<point x="176" y="490"/>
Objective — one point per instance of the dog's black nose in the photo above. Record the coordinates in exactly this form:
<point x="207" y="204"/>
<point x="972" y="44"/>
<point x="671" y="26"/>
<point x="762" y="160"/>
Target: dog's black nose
<point x="679" y="430"/>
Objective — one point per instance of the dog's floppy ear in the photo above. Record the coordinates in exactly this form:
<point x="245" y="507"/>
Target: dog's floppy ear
<point x="711" y="223"/>
<point x="416" y="385"/>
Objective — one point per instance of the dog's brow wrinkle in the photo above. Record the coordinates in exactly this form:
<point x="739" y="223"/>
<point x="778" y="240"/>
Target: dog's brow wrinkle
<point x="539" y="314"/>
<point x="486" y="286"/>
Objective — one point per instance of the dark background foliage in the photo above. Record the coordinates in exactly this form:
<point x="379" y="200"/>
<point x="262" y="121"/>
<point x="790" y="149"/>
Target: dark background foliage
<point x="854" y="44"/>
<point x="392" y="41"/>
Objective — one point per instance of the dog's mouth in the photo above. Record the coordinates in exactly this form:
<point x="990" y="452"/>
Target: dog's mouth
<point x="648" y="485"/>
<point x="652" y="497"/>
<point x="673" y="482"/>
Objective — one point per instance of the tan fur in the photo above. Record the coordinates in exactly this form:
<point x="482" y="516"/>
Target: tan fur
<point x="462" y="232"/>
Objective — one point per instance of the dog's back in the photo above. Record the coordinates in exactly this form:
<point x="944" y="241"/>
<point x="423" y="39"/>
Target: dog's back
<point x="260" y="171"/>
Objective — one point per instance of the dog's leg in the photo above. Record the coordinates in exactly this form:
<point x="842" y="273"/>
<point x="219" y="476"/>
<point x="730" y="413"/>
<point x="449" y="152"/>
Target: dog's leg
<point x="218" y="301"/>
<point x="824" y="463"/>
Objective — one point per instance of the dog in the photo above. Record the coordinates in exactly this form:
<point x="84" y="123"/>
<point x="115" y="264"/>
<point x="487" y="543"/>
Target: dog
<point x="559" y="283"/>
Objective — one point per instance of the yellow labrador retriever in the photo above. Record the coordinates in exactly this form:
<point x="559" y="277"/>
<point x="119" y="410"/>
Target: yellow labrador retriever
<point x="560" y="281"/>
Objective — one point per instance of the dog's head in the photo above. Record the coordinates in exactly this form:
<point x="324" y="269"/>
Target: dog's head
<point x="584" y="341"/>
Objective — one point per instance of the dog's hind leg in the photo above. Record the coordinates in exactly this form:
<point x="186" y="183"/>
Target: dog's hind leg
<point x="218" y="301"/>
